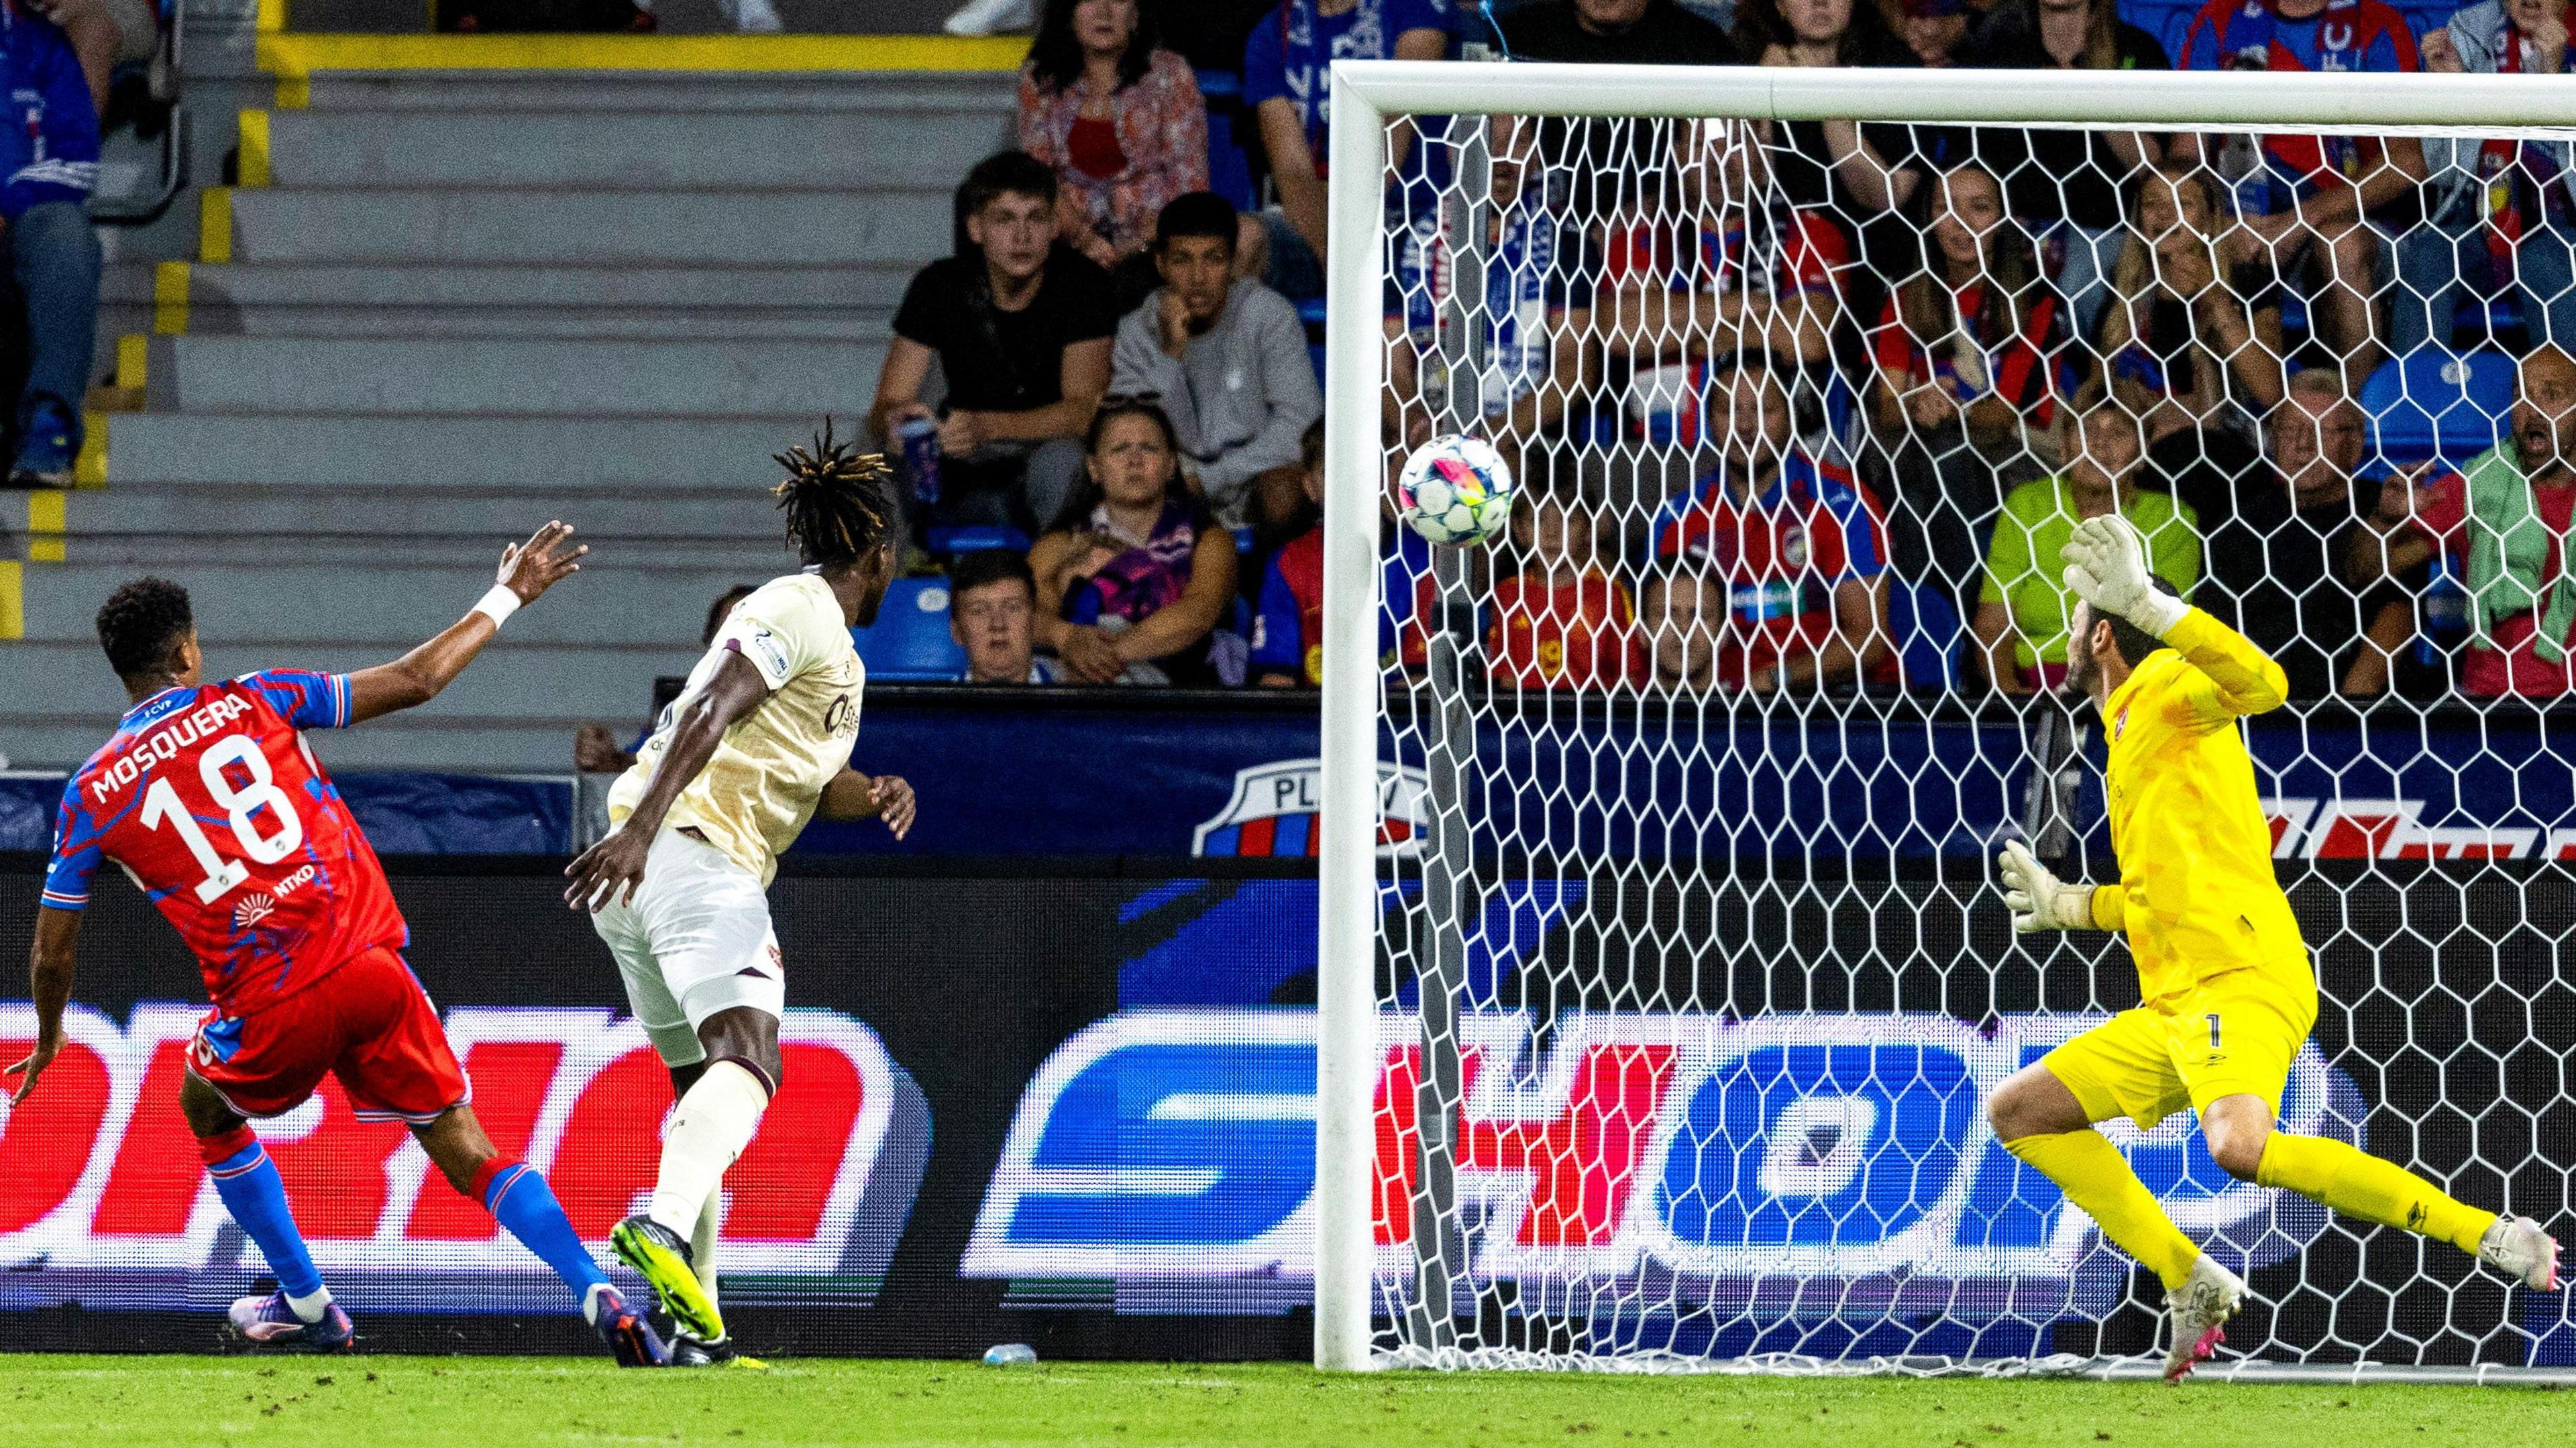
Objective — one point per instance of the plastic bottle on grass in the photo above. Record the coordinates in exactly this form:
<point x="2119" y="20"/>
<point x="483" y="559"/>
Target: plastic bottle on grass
<point x="1010" y="1355"/>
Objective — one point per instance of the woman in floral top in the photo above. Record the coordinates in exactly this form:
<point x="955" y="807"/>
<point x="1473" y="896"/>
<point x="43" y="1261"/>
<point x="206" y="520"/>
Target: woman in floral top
<point x="1121" y="122"/>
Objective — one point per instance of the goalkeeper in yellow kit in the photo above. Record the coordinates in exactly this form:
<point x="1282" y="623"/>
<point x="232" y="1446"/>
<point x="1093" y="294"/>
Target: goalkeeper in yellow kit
<point x="2228" y="993"/>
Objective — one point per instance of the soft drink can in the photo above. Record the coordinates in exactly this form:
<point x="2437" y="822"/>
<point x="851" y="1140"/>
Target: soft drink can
<point x="917" y="439"/>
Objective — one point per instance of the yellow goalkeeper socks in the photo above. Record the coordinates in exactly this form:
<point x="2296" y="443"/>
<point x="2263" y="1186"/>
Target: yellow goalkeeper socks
<point x="2358" y="1184"/>
<point x="2097" y="1178"/>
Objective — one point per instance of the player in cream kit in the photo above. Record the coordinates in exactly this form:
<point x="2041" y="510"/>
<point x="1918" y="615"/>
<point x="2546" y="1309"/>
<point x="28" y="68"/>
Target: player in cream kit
<point x="757" y="743"/>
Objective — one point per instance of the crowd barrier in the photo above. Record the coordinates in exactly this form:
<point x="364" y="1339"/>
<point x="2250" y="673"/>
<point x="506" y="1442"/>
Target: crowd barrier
<point x="1160" y="774"/>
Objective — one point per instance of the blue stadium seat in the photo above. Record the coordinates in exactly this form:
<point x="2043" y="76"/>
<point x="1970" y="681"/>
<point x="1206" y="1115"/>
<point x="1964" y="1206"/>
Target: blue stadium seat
<point x="909" y="640"/>
<point x="2425" y="17"/>
<point x="2166" y="20"/>
<point x="1926" y="628"/>
<point x="1229" y="165"/>
<point x="2433" y="403"/>
<point x="979" y="538"/>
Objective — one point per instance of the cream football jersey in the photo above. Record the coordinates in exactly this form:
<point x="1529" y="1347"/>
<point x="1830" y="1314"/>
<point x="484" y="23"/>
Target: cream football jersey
<point x="755" y="795"/>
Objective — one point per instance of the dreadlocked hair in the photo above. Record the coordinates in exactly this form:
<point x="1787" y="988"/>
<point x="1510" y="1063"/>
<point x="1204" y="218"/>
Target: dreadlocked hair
<point x="835" y="498"/>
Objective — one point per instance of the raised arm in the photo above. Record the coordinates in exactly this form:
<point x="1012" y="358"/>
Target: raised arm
<point x="2242" y="678"/>
<point x="2106" y="566"/>
<point x="612" y="868"/>
<point x="49" y="975"/>
<point x="527" y="571"/>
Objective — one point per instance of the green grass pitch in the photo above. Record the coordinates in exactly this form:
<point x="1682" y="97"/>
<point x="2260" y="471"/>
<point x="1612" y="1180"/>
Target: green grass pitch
<point x="400" y="1402"/>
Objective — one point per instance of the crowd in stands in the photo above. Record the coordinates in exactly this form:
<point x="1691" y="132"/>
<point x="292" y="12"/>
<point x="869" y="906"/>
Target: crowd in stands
<point x="1807" y="406"/>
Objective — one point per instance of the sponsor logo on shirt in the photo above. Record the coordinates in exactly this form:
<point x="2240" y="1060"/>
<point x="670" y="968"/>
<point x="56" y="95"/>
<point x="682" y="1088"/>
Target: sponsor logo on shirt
<point x="259" y="905"/>
<point x="770" y="649"/>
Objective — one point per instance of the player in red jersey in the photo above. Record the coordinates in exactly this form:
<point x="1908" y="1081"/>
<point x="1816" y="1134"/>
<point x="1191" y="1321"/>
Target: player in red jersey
<point x="208" y="797"/>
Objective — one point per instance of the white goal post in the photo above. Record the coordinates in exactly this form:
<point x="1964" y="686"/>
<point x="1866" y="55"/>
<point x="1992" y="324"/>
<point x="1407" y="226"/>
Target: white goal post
<point x="1355" y="1015"/>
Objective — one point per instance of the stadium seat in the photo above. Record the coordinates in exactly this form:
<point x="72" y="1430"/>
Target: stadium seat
<point x="980" y="538"/>
<point x="2433" y="403"/>
<point x="909" y="640"/>
<point x="1926" y="627"/>
<point x="2166" y="20"/>
<point x="1229" y="163"/>
<point x="2425" y="17"/>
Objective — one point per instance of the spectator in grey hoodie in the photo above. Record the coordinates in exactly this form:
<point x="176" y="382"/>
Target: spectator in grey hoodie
<point x="1227" y="359"/>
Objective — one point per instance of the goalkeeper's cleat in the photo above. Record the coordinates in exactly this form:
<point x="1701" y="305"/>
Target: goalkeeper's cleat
<point x="2198" y="1311"/>
<point x="624" y="1329"/>
<point x="662" y="1255"/>
<point x="272" y="1322"/>
<point x="690" y="1352"/>
<point x="2518" y="1248"/>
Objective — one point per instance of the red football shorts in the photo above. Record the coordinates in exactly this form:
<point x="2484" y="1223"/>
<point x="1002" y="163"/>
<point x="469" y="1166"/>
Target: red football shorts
<point x="368" y="1023"/>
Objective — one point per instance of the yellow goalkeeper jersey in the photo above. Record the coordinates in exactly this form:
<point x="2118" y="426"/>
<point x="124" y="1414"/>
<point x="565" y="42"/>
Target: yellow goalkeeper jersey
<point x="2197" y="895"/>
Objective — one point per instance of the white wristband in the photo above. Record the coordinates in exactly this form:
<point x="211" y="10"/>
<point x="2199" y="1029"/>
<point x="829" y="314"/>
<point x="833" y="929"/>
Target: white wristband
<point x="2158" y="612"/>
<point x="498" y="604"/>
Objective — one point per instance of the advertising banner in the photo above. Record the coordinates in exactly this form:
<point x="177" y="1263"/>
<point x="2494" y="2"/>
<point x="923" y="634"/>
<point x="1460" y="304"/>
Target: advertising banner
<point x="1075" y="1108"/>
<point x="1136" y="774"/>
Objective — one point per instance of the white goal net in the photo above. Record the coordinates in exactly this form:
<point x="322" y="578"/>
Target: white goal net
<point x="1665" y="982"/>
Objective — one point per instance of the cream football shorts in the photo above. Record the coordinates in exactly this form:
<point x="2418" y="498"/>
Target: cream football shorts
<point x="694" y="939"/>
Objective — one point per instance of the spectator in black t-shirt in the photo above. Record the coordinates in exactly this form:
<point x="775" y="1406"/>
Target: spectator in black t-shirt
<point x="2065" y="185"/>
<point x="2303" y="569"/>
<point x="1615" y="32"/>
<point x="1021" y="328"/>
<point x="1602" y="156"/>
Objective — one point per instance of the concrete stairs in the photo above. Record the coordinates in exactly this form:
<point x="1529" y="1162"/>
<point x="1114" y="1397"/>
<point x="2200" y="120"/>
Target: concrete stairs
<point x="444" y="306"/>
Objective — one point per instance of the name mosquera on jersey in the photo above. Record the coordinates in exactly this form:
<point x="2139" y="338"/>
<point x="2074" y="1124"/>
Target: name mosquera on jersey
<point x="210" y="801"/>
<point x="163" y="745"/>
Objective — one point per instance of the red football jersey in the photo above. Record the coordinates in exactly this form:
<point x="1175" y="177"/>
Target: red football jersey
<point x="1579" y="634"/>
<point x="208" y="798"/>
<point x="1780" y="554"/>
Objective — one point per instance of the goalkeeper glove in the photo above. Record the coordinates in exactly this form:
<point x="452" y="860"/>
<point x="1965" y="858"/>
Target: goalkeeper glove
<point x="2106" y="566"/>
<point x="2037" y="899"/>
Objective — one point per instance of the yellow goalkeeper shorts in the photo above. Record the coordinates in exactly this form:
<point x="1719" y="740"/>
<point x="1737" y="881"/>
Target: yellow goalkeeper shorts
<point x="2234" y="1034"/>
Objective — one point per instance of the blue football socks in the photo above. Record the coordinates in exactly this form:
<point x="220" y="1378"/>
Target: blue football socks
<point x="256" y="1196"/>
<point x="520" y="1200"/>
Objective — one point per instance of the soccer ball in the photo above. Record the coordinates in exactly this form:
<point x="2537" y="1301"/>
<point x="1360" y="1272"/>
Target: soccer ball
<point x="1456" y="490"/>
